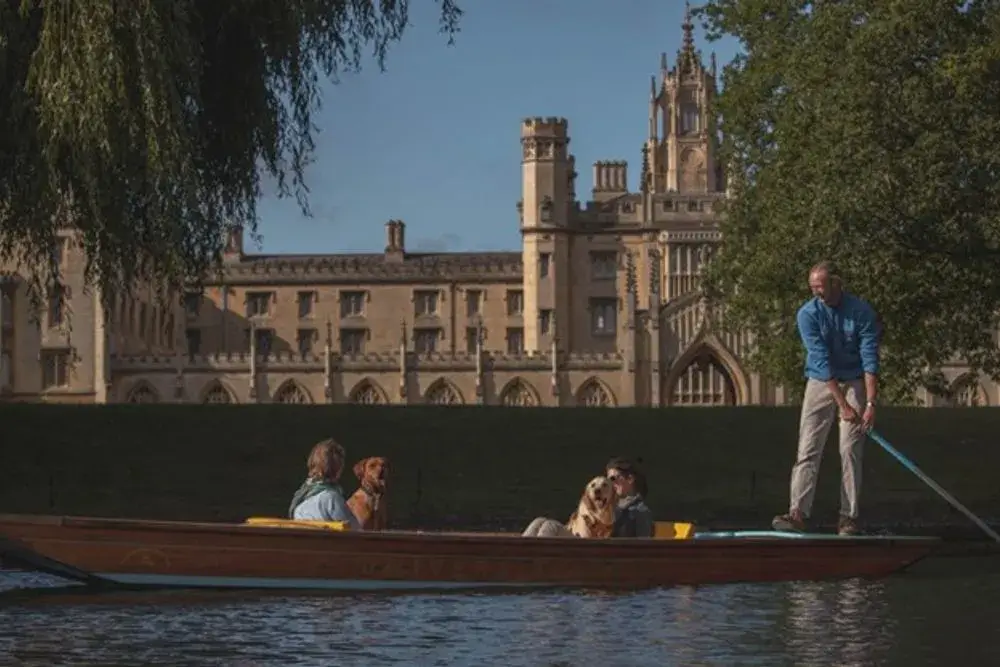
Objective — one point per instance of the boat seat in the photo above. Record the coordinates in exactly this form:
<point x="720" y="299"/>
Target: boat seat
<point x="673" y="530"/>
<point x="273" y="522"/>
<point x="662" y="530"/>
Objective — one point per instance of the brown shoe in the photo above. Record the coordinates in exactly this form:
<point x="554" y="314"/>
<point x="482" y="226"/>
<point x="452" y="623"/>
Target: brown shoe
<point x="792" y="522"/>
<point x="847" y="526"/>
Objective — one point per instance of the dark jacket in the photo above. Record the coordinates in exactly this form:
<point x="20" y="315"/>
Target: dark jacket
<point x="633" y="518"/>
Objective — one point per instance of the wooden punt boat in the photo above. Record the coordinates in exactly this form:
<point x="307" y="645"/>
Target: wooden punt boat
<point x="272" y="555"/>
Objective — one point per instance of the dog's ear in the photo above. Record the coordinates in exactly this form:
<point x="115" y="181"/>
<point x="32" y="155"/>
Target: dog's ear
<point x="359" y="469"/>
<point x="588" y="499"/>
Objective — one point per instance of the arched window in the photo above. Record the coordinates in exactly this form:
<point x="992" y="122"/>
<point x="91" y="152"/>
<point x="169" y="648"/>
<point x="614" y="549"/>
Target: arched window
<point x="704" y="382"/>
<point x="366" y="393"/>
<point x="291" y="392"/>
<point x="594" y="394"/>
<point x="518" y="394"/>
<point x="142" y="393"/>
<point x="442" y="393"/>
<point x="217" y="395"/>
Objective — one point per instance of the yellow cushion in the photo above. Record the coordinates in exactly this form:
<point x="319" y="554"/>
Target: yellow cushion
<point x="672" y="530"/>
<point x="269" y="522"/>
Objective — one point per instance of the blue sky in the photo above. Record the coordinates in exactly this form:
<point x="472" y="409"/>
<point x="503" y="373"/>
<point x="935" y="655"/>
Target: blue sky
<point x="434" y="140"/>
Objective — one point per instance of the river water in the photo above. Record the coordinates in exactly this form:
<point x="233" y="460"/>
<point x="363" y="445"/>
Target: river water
<point x="934" y="616"/>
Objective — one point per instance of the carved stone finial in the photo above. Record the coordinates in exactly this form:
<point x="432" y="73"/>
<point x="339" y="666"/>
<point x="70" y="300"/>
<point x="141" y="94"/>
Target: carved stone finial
<point x="644" y="175"/>
<point x="571" y="175"/>
<point x="630" y="278"/>
<point x="654" y="271"/>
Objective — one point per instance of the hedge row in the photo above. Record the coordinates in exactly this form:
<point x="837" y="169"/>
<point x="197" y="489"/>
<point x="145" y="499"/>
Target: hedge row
<point x="474" y="466"/>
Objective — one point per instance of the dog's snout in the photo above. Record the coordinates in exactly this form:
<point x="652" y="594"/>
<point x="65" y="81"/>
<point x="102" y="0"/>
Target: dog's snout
<point x="599" y="492"/>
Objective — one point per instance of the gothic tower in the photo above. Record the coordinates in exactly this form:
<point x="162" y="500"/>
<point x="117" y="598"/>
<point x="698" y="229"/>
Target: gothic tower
<point x="683" y="140"/>
<point x="547" y="187"/>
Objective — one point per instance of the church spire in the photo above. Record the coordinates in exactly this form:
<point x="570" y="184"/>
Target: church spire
<point x="687" y="56"/>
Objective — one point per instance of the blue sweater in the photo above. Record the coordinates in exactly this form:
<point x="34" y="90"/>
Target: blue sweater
<point x="841" y="342"/>
<point x="327" y="505"/>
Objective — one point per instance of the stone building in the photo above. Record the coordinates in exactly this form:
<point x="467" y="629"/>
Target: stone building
<point x="599" y="308"/>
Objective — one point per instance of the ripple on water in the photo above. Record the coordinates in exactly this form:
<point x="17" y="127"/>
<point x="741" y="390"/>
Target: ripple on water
<point x="851" y="623"/>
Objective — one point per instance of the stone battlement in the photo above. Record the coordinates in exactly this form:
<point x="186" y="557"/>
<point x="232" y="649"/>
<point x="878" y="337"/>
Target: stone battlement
<point x="372" y="361"/>
<point x="375" y="268"/>
<point x="552" y="126"/>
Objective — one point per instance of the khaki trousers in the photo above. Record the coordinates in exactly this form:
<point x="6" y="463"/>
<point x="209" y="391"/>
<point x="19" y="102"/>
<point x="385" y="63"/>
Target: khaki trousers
<point x="819" y="411"/>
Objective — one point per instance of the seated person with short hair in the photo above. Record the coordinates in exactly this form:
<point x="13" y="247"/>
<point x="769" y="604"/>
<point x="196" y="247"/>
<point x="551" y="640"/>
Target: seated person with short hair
<point x="320" y="498"/>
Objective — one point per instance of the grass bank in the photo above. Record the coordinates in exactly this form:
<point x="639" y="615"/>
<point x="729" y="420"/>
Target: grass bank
<point x="475" y="466"/>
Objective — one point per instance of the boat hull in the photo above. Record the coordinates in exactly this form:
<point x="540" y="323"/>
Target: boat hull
<point x="181" y="554"/>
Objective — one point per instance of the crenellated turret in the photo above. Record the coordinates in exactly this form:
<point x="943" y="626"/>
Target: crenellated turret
<point x="546" y="170"/>
<point x="548" y="193"/>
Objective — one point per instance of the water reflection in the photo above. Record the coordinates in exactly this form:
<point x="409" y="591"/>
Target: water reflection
<point x="846" y="624"/>
<point x="849" y="623"/>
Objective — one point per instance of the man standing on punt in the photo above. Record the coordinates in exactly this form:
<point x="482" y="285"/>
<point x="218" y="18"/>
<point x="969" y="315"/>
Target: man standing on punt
<point x="841" y="335"/>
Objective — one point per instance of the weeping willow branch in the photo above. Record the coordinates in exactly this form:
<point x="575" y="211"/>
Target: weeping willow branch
<point x="148" y="125"/>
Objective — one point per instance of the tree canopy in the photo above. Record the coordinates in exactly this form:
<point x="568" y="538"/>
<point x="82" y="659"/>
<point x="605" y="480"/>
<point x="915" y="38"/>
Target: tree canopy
<point x="147" y="126"/>
<point x="867" y="132"/>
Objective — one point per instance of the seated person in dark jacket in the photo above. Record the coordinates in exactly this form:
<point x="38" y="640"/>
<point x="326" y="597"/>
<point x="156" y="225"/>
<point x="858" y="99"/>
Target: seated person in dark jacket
<point x="633" y="518"/>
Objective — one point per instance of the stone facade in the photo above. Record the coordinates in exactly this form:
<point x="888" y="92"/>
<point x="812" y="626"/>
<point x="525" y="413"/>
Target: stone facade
<point x="601" y="307"/>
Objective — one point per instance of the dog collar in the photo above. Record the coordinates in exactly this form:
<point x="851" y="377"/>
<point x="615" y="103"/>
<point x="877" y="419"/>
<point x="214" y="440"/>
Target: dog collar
<point x="376" y="497"/>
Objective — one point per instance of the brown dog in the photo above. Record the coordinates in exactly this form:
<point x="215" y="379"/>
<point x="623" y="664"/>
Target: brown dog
<point x="368" y="503"/>
<point x="595" y="515"/>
